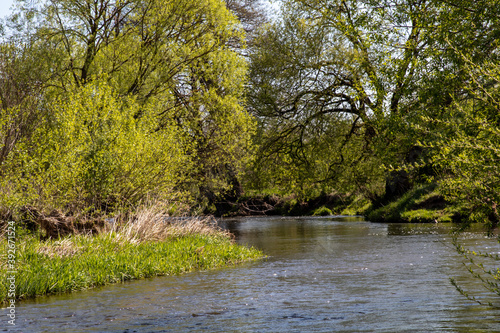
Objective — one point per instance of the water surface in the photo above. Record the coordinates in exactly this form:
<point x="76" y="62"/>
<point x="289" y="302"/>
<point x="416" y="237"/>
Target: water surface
<point x="321" y="275"/>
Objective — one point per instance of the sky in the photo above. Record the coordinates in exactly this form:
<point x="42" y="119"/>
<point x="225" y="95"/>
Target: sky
<point x="4" y="7"/>
<point x="6" y="4"/>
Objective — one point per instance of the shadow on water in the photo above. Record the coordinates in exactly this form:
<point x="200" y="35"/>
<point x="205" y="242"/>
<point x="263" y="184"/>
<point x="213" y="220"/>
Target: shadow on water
<point x="339" y="274"/>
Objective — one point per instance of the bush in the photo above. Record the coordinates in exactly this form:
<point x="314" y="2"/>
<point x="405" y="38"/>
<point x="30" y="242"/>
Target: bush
<point x="98" y="151"/>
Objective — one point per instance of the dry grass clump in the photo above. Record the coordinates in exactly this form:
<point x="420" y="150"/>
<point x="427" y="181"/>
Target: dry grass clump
<point x="60" y="248"/>
<point x="152" y="224"/>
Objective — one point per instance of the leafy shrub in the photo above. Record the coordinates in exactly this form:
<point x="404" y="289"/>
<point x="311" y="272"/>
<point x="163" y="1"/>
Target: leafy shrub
<point x="98" y="150"/>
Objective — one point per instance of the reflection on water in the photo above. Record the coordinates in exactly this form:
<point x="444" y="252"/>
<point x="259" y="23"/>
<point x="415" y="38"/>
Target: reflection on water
<point x="322" y="275"/>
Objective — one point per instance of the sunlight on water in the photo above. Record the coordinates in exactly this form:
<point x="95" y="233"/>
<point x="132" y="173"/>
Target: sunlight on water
<point x="322" y="275"/>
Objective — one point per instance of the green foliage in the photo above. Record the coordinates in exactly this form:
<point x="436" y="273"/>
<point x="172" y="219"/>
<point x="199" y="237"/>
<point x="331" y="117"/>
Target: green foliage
<point x="336" y="86"/>
<point x="94" y="151"/>
<point x="147" y="104"/>
<point x="465" y="143"/>
<point x="333" y="89"/>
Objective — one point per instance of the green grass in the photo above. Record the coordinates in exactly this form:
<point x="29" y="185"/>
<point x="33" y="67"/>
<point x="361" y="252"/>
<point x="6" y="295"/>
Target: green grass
<point x="322" y="211"/>
<point x="392" y="211"/>
<point x="399" y="210"/>
<point x="358" y="206"/>
<point x="82" y="262"/>
<point x="422" y="204"/>
<point x="426" y="216"/>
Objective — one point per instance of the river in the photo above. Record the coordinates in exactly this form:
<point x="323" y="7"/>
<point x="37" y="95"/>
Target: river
<point x="340" y="274"/>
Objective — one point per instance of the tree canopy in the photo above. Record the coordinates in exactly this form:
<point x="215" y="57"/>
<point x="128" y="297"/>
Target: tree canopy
<point x="128" y="96"/>
<point x="337" y="86"/>
<point x="351" y="96"/>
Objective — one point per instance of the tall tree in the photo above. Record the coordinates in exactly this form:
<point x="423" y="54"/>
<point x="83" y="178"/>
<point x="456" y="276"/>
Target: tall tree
<point x="251" y="14"/>
<point x="170" y="62"/>
<point x="364" y="69"/>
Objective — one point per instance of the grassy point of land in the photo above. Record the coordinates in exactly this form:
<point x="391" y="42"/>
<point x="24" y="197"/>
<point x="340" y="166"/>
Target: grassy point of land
<point x="144" y="248"/>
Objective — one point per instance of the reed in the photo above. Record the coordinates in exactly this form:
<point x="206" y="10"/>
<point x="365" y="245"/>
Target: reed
<point x="152" y="224"/>
<point x="147" y="245"/>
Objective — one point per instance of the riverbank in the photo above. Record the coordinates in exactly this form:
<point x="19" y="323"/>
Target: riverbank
<point x="421" y="204"/>
<point x="291" y="205"/>
<point x="142" y="248"/>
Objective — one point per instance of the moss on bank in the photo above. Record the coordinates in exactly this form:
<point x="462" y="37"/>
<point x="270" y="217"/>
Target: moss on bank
<point x="81" y="261"/>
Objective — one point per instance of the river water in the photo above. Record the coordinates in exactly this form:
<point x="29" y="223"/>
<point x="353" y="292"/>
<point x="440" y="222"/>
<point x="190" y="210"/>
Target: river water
<point x="338" y="274"/>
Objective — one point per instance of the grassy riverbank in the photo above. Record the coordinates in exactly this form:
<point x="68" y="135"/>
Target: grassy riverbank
<point x="140" y="249"/>
<point x="421" y="204"/>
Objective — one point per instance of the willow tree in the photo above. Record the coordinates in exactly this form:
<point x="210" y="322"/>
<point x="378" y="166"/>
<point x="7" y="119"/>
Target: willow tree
<point x="328" y="79"/>
<point x="336" y="84"/>
<point x="171" y="63"/>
